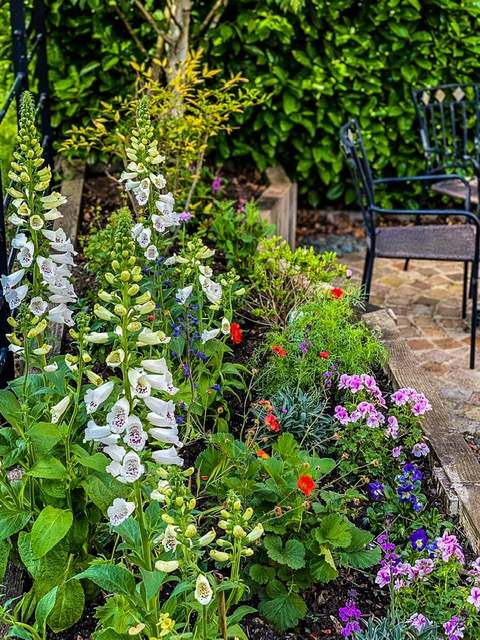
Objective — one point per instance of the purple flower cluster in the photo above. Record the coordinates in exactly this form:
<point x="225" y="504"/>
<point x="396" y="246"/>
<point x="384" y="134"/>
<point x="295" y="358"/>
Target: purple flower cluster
<point x="419" y="621"/>
<point x="454" y="629"/>
<point x="363" y="411"/>
<point x="304" y="347"/>
<point x="406" y="486"/>
<point x="420" y="449"/>
<point x="350" y="614"/>
<point x="403" y="573"/>
<point x="416" y="401"/>
<point x="449" y="547"/>
<point x="358" y="383"/>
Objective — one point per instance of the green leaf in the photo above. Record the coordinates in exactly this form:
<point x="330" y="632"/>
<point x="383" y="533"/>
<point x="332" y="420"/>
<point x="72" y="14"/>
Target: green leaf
<point x="44" y="436"/>
<point x="10" y="407"/>
<point x="236" y="631"/>
<point x="322" y="571"/>
<point x="152" y="581"/>
<point x="18" y="632"/>
<point x="281" y="609"/>
<point x="290" y="103"/>
<point x="98" y="461"/>
<point x="113" y="578"/>
<point x="103" y="490"/>
<point x="69" y="606"/>
<point x="48" y="467"/>
<point x="129" y="530"/>
<point x="360" y="559"/>
<point x="261" y="574"/>
<point x="239" y="614"/>
<point x="12" y="521"/>
<point x="293" y="554"/>
<point x="44" y="607"/>
<point x="50" y="527"/>
<point x="5" y="548"/>
<point x="334" y="530"/>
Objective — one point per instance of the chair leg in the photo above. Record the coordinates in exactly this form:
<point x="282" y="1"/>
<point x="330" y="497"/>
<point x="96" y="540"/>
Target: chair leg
<point x="367" y="274"/>
<point x="474" y="283"/>
<point x="464" y="293"/>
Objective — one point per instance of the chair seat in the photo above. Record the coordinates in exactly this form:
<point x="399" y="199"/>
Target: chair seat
<point x="427" y="242"/>
<point x="456" y="189"/>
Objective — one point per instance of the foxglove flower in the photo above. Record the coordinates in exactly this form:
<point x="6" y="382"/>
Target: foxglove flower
<point x="166" y="566"/>
<point x="166" y="436"/>
<point x="59" y="409"/>
<point x="95" y="397"/>
<point x="203" y="591"/>
<point x="26" y="253"/>
<point x="120" y="511"/>
<point x="183" y="294"/>
<point x="162" y="408"/>
<point x="14" y="297"/>
<point x="151" y="252"/>
<point x="99" y="434"/>
<point x="61" y="315"/>
<point x="169" y="539"/>
<point x="212" y="290"/>
<point x="8" y="282"/>
<point x="135" y="436"/>
<point x="117" y="417"/>
<point x="139" y="383"/>
<point x="126" y="467"/>
<point x="167" y="456"/>
<point x="155" y="366"/>
<point x="209" y="335"/>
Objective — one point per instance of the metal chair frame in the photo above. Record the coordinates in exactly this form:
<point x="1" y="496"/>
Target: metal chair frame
<point x="354" y="150"/>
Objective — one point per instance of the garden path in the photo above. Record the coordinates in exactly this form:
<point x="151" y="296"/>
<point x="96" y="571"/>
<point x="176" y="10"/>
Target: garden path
<point x="426" y="301"/>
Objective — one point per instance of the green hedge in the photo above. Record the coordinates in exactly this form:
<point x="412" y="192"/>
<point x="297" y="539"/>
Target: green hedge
<point x="320" y="61"/>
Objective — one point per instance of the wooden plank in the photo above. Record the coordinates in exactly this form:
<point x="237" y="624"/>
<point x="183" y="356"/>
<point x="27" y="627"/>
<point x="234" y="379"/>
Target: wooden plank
<point x="456" y="189"/>
<point x="278" y="204"/>
<point x="460" y="468"/>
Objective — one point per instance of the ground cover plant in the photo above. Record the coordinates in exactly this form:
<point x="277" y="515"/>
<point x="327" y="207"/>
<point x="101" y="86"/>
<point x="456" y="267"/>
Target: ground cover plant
<point x="180" y="489"/>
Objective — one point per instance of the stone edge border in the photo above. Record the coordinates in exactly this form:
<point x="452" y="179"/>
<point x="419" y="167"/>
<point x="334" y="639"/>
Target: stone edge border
<point x="278" y="204"/>
<point x="457" y="474"/>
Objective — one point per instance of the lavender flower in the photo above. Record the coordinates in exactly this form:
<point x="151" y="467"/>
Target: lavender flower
<point x="350" y="614"/>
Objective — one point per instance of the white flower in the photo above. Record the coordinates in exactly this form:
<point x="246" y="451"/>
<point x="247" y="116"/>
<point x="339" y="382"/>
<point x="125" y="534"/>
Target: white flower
<point x="165" y="203"/>
<point x="47" y="268"/>
<point x="148" y="337"/>
<point x="142" y="192"/>
<point x="54" y="214"/>
<point x="151" y="253"/>
<point x="171" y="220"/>
<point x="158" y="365"/>
<point x="25" y="255"/>
<point x="16" y="220"/>
<point x="120" y="511"/>
<point x="99" y="434"/>
<point x="144" y="238"/>
<point x="139" y="383"/>
<point x="38" y="306"/>
<point x="160" y="381"/>
<point x="53" y="200"/>
<point x="8" y="282"/>
<point x="167" y="436"/>
<point x="14" y="297"/>
<point x="159" y="226"/>
<point x="63" y="258"/>
<point x="135" y="436"/>
<point x="167" y="456"/>
<point x="117" y="417"/>
<point x="169" y="538"/>
<point x="205" y="271"/>
<point x="166" y="566"/>
<point x="184" y="294"/>
<point x="94" y="397"/>
<point x="137" y="229"/>
<point x="203" y="591"/>
<point x="36" y="222"/>
<point x="19" y="241"/>
<point x="212" y="290"/>
<point x="59" y="409"/>
<point x="158" y="181"/>
<point x="61" y="315"/>
<point x="96" y="337"/>
<point x="162" y="491"/>
<point x="161" y="408"/>
<point x="226" y="326"/>
<point x="208" y="335"/>
<point x="50" y="368"/>
<point x="126" y="467"/>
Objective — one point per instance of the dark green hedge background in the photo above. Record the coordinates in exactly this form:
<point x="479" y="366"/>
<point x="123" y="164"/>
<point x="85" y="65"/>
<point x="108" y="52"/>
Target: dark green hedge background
<point x="321" y="62"/>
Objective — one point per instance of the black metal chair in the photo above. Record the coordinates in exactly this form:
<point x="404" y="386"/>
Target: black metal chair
<point x="452" y="242"/>
<point x="449" y="120"/>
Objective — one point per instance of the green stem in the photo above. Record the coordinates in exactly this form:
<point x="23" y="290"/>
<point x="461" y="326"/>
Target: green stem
<point x="204" y="622"/>
<point x="147" y="556"/>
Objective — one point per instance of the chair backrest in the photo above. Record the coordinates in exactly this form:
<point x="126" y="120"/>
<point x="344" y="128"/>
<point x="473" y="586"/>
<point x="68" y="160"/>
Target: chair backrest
<point x="449" y="124"/>
<point x="354" y="151"/>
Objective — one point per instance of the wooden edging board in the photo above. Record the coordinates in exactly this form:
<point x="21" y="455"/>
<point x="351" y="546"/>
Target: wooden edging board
<point x="458" y="474"/>
<point x="278" y="204"/>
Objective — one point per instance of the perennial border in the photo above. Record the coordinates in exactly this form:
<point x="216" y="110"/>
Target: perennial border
<point x="458" y="474"/>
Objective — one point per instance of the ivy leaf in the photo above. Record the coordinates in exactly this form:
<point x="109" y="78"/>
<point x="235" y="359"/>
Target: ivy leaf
<point x="293" y="554"/>
<point x="334" y="530"/>
<point x="49" y="528"/>
<point x="261" y="574"/>
<point x="281" y="609"/>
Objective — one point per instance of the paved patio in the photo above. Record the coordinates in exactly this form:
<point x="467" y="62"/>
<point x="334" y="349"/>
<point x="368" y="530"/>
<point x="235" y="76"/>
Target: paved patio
<point x="426" y="301"/>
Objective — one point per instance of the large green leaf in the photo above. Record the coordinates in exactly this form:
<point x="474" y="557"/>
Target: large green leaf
<point x="49" y="468"/>
<point x="113" y="578"/>
<point x="44" y="607"/>
<point x="44" y="436"/>
<point x="50" y="527"/>
<point x="102" y="490"/>
<point x="12" y="521"/>
<point x="334" y="530"/>
<point x="68" y="609"/>
<point x="5" y="548"/>
<point x="280" y="608"/>
<point x="261" y="574"/>
<point x="10" y="408"/>
<point x="292" y="554"/>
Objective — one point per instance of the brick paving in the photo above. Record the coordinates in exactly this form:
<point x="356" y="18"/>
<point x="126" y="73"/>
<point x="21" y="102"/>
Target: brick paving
<point x="427" y="301"/>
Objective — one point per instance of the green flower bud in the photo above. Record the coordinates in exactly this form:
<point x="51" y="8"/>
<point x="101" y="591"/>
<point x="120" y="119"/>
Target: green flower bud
<point x="247" y="552"/>
<point x="223" y="524"/>
<point x="188" y="472"/>
<point x="133" y="290"/>
<point x="179" y="501"/>
<point x="167" y="519"/>
<point x="190" y="531"/>
<point x="192" y="504"/>
<point x="120" y="310"/>
<point x="219" y="556"/>
<point x="109" y="277"/>
<point x="248" y="514"/>
<point x="125" y="276"/>
<point x="115" y="265"/>
<point x="207" y="538"/>
<point x="239" y="532"/>
<point x="134" y="326"/>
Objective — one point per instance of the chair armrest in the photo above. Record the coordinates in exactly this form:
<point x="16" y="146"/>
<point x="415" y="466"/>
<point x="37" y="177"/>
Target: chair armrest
<point x="430" y="212"/>
<point x="430" y="178"/>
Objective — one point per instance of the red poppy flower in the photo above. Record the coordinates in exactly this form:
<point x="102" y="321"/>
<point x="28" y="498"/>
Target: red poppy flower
<point x="336" y="293"/>
<point x="324" y="354"/>
<point x="262" y="454"/>
<point x="235" y="332"/>
<point x="280" y="351"/>
<point x="306" y="484"/>
<point x="271" y="420"/>
<point x="151" y="318"/>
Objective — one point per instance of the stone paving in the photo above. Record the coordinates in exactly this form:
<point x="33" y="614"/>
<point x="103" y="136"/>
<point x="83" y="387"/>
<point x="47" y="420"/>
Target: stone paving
<point x="426" y="301"/>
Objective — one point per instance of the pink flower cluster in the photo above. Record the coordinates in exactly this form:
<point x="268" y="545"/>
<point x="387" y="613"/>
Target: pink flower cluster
<point x="363" y="411"/>
<point x="419" y="621"/>
<point x="358" y="383"/>
<point x="449" y="547"/>
<point x="417" y="401"/>
<point x="454" y="628"/>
